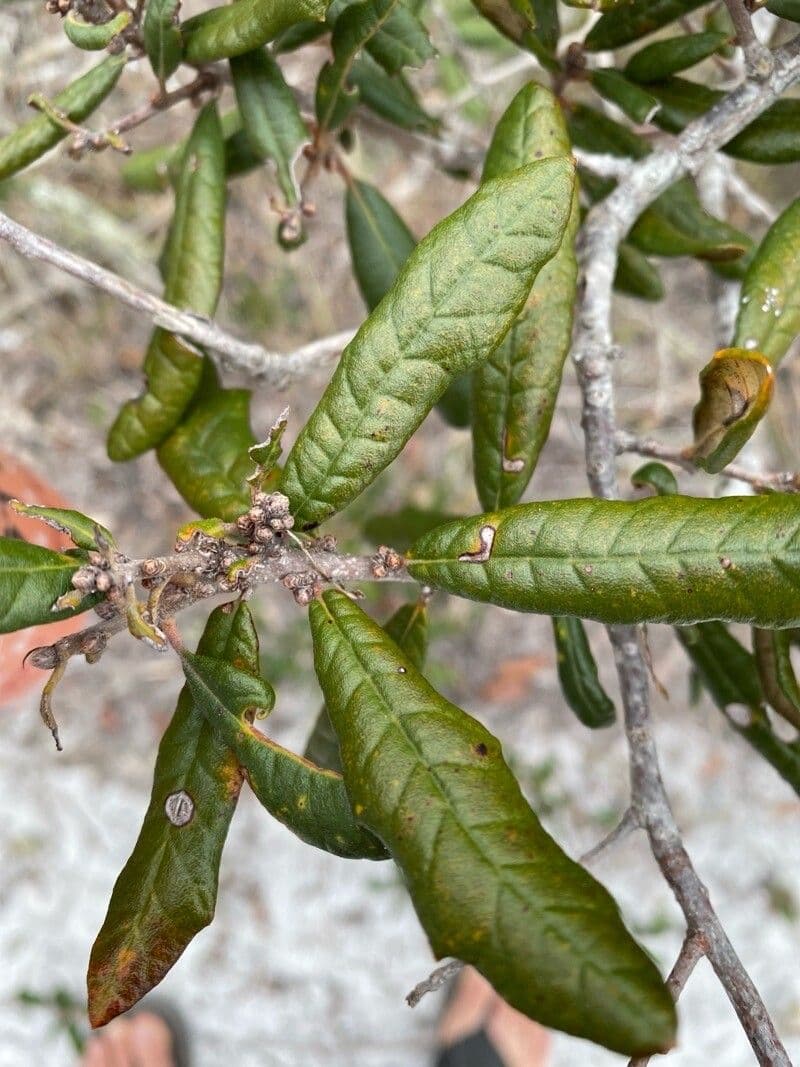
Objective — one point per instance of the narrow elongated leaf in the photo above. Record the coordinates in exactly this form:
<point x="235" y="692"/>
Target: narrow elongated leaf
<point x="736" y="388"/>
<point x="515" y="19"/>
<point x="380" y="242"/>
<point x="769" y="307"/>
<point x="451" y="305"/>
<point x="774" y="137"/>
<point x="629" y="97"/>
<point x="94" y="37"/>
<point x="32" y="578"/>
<point x="772" y="650"/>
<point x="489" y="885"/>
<point x="595" y="132"/>
<point x="663" y="58"/>
<point x="676" y="224"/>
<point x="389" y="96"/>
<point x="80" y="528"/>
<point x="728" y="671"/>
<point x="577" y="672"/>
<point x="400" y="41"/>
<point x="308" y="799"/>
<point x="631" y="21"/>
<point x="636" y="275"/>
<point x="408" y="628"/>
<point x="167" y="890"/>
<point x="33" y="138"/>
<point x="785" y="9"/>
<point x="667" y="559"/>
<point x="270" y="116"/>
<point x="207" y="458"/>
<point x="193" y="278"/>
<point x="223" y="32"/>
<point x="162" y="37"/>
<point x="515" y="389"/>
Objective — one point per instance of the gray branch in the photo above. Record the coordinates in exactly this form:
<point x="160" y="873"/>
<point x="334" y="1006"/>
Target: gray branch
<point x="274" y="368"/>
<point x="593" y="352"/>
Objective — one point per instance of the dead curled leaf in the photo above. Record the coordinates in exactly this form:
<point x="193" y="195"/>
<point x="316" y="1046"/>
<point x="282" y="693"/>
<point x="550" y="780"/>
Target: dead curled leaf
<point x="735" y="392"/>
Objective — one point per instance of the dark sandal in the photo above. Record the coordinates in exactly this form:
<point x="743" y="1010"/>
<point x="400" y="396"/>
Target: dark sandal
<point x="476" y="1050"/>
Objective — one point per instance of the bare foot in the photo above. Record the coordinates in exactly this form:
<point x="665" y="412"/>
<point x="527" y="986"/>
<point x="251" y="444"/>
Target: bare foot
<point x="143" y="1040"/>
<point x="475" y="1006"/>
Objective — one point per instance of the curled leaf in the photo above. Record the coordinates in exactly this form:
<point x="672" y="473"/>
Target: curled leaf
<point x="577" y="672"/>
<point x="735" y="391"/>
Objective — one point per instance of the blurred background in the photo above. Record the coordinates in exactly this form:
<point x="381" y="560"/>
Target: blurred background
<point x="310" y="957"/>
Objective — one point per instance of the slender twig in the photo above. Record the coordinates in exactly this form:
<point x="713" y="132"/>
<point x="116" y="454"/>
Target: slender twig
<point x="692" y="951"/>
<point x="757" y="57"/>
<point x="593" y="351"/>
<point x="624" y="828"/>
<point x="778" y="481"/>
<point x="435" y="980"/>
<point x="273" y="368"/>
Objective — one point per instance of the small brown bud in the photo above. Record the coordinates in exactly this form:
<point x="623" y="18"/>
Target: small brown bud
<point x="149" y="568"/>
<point x="386" y="561"/>
<point x="44" y="657"/>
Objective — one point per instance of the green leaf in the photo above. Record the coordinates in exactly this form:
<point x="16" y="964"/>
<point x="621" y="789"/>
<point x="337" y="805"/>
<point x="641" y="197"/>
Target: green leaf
<point x="516" y="388"/>
<point x="193" y="278"/>
<point x="772" y="650"/>
<point x="80" y="528"/>
<point x="636" y="275"/>
<point x="728" y="671"/>
<point x="266" y="455"/>
<point x="455" y="406"/>
<point x="663" y="58"/>
<point x="631" y="21"/>
<point x="718" y="20"/>
<point x="162" y="37"/>
<point x="655" y="476"/>
<point x="270" y="116"/>
<point x="94" y="37"/>
<point x="667" y="559"/>
<point x="577" y="672"/>
<point x="769" y="307"/>
<point x="389" y="96"/>
<point x="380" y="242"/>
<point x="219" y="687"/>
<point x="408" y="628"/>
<point x="33" y="138"/>
<point x="451" y="305"/>
<point x="489" y="885"/>
<point x="735" y="392"/>
<point x="515" y="19"/>
<point x="785" y="9"/>
<point x="207" y="459"/>
<point x="676" y="224"/>
<point x="229" y="31"/>
<point x="167" y="890"/>
<point x="32" y="578"/>
<point x="774" y="137"/>
<point x="595" y="132"/>
<point x="629" y="97"/>
<point x="597" y="5"/>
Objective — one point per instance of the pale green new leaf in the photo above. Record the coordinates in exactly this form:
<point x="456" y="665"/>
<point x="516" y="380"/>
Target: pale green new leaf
<point x="515" y="390"/>
<point x="451" y="305"/>
<point x="667" y="559"/>
<point x="489" y="885"/>
<point x="162" y="37"/>
<point x="80" y="528"/>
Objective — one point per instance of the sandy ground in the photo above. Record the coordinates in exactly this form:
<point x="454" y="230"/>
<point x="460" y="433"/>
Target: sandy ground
<point x="309" y="957"/>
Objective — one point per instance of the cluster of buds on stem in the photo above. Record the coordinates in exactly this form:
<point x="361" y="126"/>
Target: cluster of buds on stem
<point x="386" y="561"/>
<point x="304" y="586"/>
<point x="95" y="576"/>
<point x="265" y="523"/>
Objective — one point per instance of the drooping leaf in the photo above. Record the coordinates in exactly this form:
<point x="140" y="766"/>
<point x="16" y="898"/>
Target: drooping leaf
<point x="94" y="37"/>
<point x="389" y="95"/>
<point x="636" y="275"/>
<point x="80" y="528"/>
<point x="162" y="37"/>
<point x="655" y="476"/>
<point x="219" y="686"/>
<point x="663" y="58"/>
<point x="408" y="628"/>
<point x="667" y="559"/>
<point x="32" y="578"/>
<point x="728" y="671"/>
<point x="451" y="305"/>
<point x="226" y="31"/>
<point x="595" y="132"/>
<point x="270" y="116"/>
<point x="772" y="650"/>
<point x="167" y="890"/>
<point x="515" y="389"/>
<point x="193" y="278"/>
<point x="774" y="137"/>
<point x="380" y="242"/>
<point x="629" y="22"/>
<point x="735" y="391"/>
<point x="769" y="307"/>
<point x="207" y="457"/>
<point x="629" y="97"/>
<point x="577" y="672"/>
<point x="33" y="138"/>
<point x="515" y="19"/>
<point x="489" y="885"/>
<point x="676" y="224"/>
